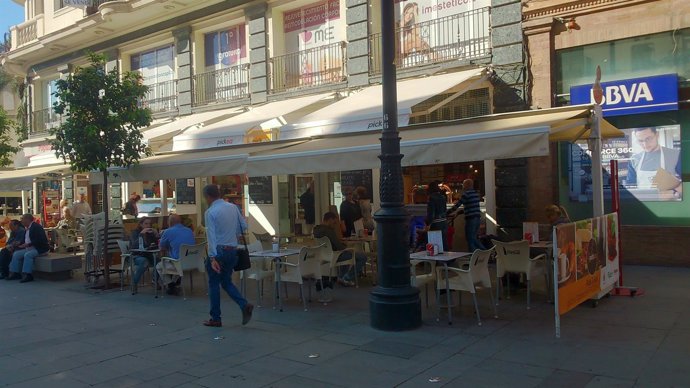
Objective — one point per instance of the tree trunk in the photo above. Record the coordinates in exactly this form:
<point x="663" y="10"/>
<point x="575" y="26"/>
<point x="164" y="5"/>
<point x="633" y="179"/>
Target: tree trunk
<point x="106" y="214"/>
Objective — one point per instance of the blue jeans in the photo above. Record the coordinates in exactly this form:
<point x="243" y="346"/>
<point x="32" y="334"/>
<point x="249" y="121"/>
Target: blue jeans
<point x="23" y="260"/>
<point x="140" y="263"/>
<point x="345" y="273"/>
<point x="227" y="260"/>
<point x="471" y="232"/>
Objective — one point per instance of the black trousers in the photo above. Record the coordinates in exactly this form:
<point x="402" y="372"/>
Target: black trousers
<point x="5" y="258"/>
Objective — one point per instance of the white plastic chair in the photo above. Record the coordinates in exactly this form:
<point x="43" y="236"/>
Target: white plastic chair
<point x="265" y="239"/>
<point x="423" y="278"/>
<point x="514" y="257"/>
<point x="306" y="266"/>
<point x="332" y="262"/>
<point x="191" y="259"/>
<point x="467" y="279"/>
<point x="261" y="269"/>
<point x="126" y="257"/>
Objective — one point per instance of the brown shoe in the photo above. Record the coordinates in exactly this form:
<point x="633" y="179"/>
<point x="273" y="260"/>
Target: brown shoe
<point x="212" y="323"/>
<point x="247" y="313"/>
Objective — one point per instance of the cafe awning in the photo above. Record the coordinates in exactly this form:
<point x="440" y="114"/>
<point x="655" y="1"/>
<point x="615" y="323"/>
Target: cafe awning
<point x="233" y="130"/>
<point x="363" y="110"/>
<point x="499" y="136"/>
<point x="22" y="179"/>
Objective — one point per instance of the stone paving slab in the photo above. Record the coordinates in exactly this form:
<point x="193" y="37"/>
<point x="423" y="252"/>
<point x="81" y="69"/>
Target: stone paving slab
<point x="62" y="334"/>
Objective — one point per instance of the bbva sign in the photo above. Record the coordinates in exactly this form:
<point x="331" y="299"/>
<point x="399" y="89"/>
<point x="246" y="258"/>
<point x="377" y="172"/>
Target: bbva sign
<point x="632" y="96"/>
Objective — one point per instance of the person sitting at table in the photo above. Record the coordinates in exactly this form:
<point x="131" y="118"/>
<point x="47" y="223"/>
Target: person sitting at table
<point x="131" y="208"/>
<point x="556" y="215"/>
<point x="329" y="228"/>
<point x="143" y="237"/>
<point x="35" y="244"/>
<point x="15" y="239"/>
<point x="171" y="241"/>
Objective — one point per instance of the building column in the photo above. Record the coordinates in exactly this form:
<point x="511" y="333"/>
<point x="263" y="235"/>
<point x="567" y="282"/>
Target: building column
<point x="258" y="52"/>
<point x="508" y="56"/>
<point x="358" y="43"/>
<point x="512" y="181"/>
<point x="490" y="196"/>
<point x="183" y="53"/>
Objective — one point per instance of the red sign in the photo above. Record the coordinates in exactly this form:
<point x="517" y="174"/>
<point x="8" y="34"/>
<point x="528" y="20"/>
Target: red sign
<point x="313" y="15"/>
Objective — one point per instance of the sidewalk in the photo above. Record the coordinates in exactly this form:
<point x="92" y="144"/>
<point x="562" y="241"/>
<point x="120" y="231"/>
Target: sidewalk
<point x="58" y="334"/>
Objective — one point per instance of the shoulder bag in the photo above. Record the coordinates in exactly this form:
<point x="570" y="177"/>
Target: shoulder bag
<point x="243" y="261"/>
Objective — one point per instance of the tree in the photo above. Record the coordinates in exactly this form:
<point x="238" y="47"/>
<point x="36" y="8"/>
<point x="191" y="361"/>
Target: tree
<point x="102" y="117"/>
<point x="7" y="150"/>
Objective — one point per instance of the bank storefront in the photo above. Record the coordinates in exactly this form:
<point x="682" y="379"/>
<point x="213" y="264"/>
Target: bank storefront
<point x="646" y="96"/>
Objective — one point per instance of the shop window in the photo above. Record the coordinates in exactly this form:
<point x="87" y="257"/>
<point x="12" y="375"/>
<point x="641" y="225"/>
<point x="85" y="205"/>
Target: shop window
<point x="470" y="104"/>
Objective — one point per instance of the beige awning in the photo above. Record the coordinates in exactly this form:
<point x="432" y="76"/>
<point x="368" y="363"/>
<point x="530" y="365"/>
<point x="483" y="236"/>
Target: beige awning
<point x="500" y="136"/>
<point x="577" y="128"/>
<point x="23" y="178"/>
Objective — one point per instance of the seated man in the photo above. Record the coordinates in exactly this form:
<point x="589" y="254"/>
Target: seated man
<point x="171" y="241"/>
<point x="329" y="228"/>
<point x="35" y="244"/>
<point x="16" y="239"/>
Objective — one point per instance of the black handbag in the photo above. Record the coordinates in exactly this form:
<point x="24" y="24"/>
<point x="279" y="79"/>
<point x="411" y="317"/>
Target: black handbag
<point x="243" y="261"/>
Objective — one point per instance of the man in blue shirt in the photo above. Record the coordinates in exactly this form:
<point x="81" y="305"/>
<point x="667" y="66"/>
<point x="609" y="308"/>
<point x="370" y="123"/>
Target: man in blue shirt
<point x="171" y="241"/>
<point x="470" y="202"/>
<point x="224" y="223"/>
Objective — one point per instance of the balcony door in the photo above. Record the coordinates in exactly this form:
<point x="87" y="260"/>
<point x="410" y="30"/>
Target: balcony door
<point x="225" y="54"/>
<point x="157" y="67"/>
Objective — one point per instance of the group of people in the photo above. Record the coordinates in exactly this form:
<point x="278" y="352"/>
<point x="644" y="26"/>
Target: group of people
<point x="27" y="241"/>
<point x="438" y="213"/>
<point x="356" y="206"/>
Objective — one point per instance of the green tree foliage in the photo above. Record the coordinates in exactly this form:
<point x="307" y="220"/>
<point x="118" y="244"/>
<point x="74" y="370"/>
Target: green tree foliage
<point x="102" y="117"/>
<point x="6" y="148"/>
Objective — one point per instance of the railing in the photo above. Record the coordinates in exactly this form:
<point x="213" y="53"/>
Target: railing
<point x="217" y="86"/>
<point x="309" y="68"/>
<point x="26" y="32"/>
<point x="44" y="120"/>
<point x="461" y="36"/>
<point x="161" y="97"/>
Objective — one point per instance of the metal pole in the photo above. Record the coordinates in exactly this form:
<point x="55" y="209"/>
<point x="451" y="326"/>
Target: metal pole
<point x="394" y="304"/>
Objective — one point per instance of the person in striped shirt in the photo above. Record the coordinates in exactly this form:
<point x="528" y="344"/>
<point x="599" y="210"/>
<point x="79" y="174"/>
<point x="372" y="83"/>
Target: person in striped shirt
<point x="473" y="214"/>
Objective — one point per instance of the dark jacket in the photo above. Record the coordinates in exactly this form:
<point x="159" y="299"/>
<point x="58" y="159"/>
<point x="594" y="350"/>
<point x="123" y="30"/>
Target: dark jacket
<point x="38" y="237"/>
<point x="17" y="237"/>
<point x="436" y="208"/>
<point x="131" y="208"/>
<point x="349" y="213"/>
<point x="327" y="231"/>
<point x="308" y="204"/>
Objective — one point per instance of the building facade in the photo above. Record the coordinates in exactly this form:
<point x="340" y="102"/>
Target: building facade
<point x="642" y="48"/>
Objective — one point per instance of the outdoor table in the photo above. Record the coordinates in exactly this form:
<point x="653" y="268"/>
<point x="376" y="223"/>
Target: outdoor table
<point x="276" y="257"/>
<point x="355" y="240"/>
<point x="154" y="253"/>
<point x="443" y="258"/>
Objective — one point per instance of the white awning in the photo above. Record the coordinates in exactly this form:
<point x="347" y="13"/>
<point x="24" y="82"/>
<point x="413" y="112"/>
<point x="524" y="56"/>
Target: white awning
<point x="162" y="131"/>
<point x="363" y="111"/>
<point x="233" y="130"/>
<point x="22" y="179"/>
<point x="499" y="136"/>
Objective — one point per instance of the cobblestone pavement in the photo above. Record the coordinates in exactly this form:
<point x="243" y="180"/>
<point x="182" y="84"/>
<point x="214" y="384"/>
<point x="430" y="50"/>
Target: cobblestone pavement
<point x="61" y="334"/>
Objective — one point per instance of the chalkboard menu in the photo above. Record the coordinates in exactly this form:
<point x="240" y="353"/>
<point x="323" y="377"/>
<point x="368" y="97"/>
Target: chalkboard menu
<point x="185" y="191"/>
<point x="261" y="190"/>
<point x="351" y="180"/>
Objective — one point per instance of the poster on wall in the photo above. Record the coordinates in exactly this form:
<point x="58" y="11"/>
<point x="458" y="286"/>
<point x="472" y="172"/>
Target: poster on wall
<point x="225" y="48"/>
<point x="261" y="190"/>
<point x="307" y="29"/>
<point x="429" y="29"/>
<point x="587" y="259"/>
<point x="185" y="191"/>
<point x="649" y="166"/>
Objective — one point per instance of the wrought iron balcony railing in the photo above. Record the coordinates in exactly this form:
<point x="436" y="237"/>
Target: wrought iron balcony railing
<point x="43" y="120"/>
<point x="462" y="36"/>
<point x="309" y="68"/>
<point x="161" y="97"/>
<point x="224" y="85"/>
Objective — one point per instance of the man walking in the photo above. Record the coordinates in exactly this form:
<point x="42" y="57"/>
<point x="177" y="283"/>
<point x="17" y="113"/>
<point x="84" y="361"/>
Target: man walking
<point x="224" y="223"/>
<point x="470" y="203"/>
<point x="35" y="244"/>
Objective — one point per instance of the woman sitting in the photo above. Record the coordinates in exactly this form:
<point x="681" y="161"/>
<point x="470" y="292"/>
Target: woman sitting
<point x="144" y="237"/>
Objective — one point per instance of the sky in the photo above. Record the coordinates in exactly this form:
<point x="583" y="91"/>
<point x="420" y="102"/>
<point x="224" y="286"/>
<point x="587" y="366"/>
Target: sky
<point x="11" y="13"/>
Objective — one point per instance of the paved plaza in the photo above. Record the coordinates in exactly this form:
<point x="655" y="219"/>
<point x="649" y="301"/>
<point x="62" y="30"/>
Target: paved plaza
<point x="60" y="334"/>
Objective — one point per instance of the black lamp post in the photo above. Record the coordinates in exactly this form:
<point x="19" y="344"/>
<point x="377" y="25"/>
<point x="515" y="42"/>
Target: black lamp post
<point x="393" y="304"/>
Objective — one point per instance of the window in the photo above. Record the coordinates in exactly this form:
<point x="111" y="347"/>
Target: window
<point x="225" y="48"/>
<point x="155" y="66"/>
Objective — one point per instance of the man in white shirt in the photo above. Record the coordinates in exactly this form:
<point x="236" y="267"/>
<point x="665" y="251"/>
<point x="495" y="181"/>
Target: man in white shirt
<point x="224" y="223"/>
<point x="81" y="208"/>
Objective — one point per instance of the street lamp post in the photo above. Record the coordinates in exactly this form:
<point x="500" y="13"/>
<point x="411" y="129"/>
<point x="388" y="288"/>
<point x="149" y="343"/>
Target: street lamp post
<point x="393" y="304"/>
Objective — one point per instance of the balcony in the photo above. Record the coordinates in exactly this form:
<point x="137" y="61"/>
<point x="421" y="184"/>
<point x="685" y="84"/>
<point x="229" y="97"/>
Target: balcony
<point x="26" y="32"/>
<point x="464" y="36"/>
<point x="309" y="68"/>
<point x="43" y="120"/>
<point x="161" y="97"/>
<point x="220" y="86"/>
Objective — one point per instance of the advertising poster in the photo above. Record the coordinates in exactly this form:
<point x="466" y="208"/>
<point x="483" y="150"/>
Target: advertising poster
<point x="307" y="29"/>
<point x="430" y="32"/>
<point x="649" y="166"/>
<point x="225" y="48"/>
<point x="586" y="259"/>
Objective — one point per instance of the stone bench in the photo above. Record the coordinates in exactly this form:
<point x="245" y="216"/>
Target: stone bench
<point x="56" y="266"/>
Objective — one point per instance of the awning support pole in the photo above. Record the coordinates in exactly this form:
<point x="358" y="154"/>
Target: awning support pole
<point x="595" y="147"/>
<point x="394" y="304"/>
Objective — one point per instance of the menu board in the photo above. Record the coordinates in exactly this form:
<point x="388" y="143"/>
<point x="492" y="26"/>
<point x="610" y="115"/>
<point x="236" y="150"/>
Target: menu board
<point x="185" y="191"/>
<point x="261" y="190"/>
<point x="351" y="180"/>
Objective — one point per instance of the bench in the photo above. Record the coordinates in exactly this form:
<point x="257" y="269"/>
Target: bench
<point x="56" y="266"/>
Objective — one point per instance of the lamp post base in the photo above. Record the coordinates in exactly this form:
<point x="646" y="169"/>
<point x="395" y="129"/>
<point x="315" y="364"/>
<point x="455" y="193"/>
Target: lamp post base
<point x="395" y="309"/>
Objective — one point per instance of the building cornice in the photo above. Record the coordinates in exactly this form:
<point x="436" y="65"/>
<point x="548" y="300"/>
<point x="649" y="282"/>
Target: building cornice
<point x="538" y="14"/>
